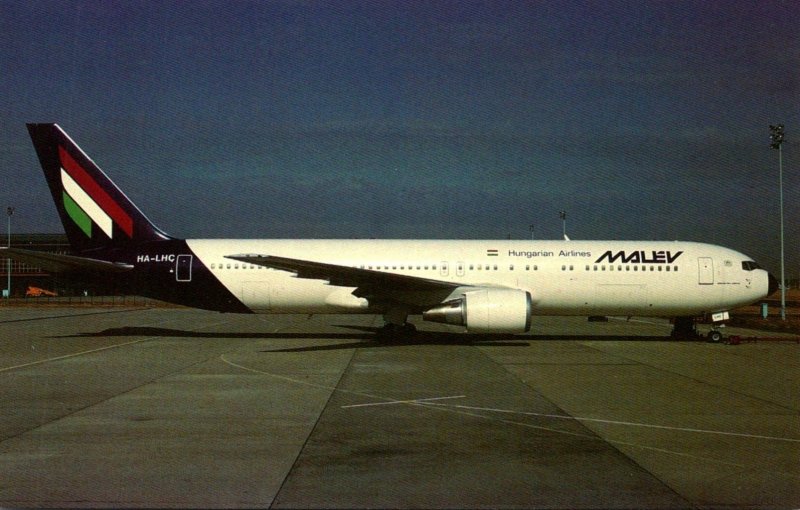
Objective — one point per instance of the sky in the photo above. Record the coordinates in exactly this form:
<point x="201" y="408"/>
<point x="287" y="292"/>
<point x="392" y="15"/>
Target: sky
<point x="412" y="119"/>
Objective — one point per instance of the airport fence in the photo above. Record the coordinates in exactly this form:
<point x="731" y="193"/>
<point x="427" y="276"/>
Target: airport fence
<point x="88" y="301"/>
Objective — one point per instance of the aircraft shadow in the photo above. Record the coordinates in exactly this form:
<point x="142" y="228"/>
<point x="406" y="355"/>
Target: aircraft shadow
<point x="180" y="333"/>
<point x="368" y="338"/>
<point x="361" y="336"/>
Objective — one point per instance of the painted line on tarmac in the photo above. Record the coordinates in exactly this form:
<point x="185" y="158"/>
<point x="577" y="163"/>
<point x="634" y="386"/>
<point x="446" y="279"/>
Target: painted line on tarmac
<point x="590" y="437"/>
<point x="67" y="316"/>
<point x="465" y="411"/>
<point x="617" y="422"/>
<point x="74" y="354"/>
<point x="99" y="349"/>
<point x="301" y="382"/>
<point x="477" y="412"/>
<point x="395" y="402"/>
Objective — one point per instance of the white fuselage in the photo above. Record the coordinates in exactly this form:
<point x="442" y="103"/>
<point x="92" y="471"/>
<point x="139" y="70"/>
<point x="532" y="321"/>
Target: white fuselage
<point x="651" y="278"/>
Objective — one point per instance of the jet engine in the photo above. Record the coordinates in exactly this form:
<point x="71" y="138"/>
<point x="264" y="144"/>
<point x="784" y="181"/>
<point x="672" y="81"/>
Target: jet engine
<point x="487" y="310"/>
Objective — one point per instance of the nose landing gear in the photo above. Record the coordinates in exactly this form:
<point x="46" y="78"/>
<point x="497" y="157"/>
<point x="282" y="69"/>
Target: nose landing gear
<point x="714" y="336"/>
<point x="684" y="328"/>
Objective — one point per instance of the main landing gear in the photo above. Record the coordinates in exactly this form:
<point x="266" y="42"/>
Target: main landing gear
<point x="685" y="328"/>
<point x="397" y="325"/>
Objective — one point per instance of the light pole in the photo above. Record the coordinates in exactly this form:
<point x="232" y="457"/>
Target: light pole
<point x="777" y="140"/>
<point x="530" y="227"/>
<point x="10" y="212"/>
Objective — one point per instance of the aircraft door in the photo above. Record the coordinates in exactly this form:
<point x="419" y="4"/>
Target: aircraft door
<point x="705" y="270"/>
<point x="183" y="268"/>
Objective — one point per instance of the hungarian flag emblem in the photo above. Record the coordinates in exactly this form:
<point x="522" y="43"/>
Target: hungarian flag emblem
<point x="86" y="202"/>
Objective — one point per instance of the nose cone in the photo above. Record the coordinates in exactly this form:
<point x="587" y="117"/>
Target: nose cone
<point x="773" y="284"/>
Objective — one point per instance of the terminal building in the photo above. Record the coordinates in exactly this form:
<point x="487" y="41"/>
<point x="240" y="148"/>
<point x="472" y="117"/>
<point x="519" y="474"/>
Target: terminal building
<point x="39" y="286"/>
<point x="31" y="281"/>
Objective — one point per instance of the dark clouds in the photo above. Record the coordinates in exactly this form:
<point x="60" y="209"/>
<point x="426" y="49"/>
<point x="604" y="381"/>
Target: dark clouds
<point x="416" y="119"/>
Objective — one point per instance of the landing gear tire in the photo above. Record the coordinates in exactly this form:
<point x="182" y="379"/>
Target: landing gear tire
<point x="408" y="329"/>
<point x="392" y="331"/>
<point x="714" y="336"/>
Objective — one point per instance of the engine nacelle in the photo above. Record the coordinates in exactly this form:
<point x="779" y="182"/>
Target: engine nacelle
<point x="486" y="311"/>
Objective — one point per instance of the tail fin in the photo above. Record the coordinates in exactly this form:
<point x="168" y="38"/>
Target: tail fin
<point x="96" y="215"/>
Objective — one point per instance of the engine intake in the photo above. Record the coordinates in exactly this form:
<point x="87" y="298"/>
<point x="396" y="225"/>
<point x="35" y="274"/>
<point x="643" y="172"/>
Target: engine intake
<point x="486" y="311"/>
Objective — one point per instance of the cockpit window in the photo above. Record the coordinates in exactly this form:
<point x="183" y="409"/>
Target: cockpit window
<point x="749" y="265"/>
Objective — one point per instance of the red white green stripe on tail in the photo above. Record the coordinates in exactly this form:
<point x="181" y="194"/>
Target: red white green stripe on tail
<point x="86" y="202"/>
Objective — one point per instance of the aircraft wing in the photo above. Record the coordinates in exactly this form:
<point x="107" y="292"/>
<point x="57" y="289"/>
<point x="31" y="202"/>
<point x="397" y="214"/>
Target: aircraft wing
<point x="344" y="276"/>
<point x="370" y="284"/>
<point x="58" y="263"/>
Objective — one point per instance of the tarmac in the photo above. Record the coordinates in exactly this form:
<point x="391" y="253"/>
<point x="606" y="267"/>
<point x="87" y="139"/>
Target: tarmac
<point x="111" y="407"/>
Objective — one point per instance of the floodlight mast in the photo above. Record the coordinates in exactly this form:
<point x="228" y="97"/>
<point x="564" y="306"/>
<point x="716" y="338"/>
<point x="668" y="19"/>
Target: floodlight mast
<point x="9" y="212"/>
<point x="777" y="139"/>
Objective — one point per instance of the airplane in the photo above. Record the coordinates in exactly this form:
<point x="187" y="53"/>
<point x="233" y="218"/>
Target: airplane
<point x="483" y="286"/>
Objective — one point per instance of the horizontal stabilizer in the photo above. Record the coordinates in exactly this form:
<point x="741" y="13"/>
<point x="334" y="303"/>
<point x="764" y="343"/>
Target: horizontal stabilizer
<point x="58" y="263"/>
